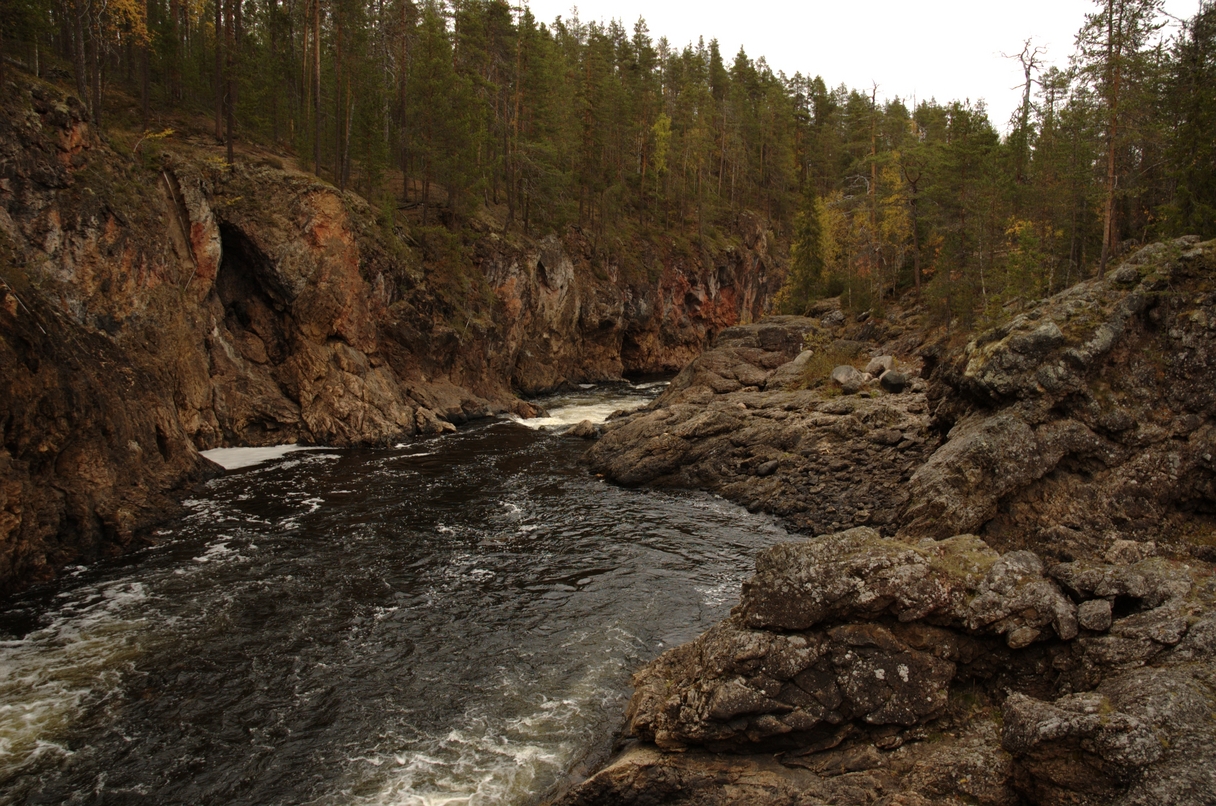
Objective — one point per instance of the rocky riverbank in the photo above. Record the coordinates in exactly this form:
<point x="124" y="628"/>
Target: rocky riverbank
<point x="738" y="421"/>
<point x="1035" y="621"/>
<point x="157" y="302"/>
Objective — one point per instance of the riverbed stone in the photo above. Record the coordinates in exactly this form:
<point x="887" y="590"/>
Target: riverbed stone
<point x="584" y="429"/>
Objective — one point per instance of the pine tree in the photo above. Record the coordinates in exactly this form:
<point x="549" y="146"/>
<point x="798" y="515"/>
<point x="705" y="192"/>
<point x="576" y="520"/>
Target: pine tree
<point x="1112" y="57"/>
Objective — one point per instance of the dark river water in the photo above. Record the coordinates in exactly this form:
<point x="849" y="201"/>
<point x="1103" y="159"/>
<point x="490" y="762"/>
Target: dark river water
<point x="452" y="621"/>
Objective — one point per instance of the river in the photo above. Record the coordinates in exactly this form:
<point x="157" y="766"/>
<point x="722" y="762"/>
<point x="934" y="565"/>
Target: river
<point x="449" y="621"/>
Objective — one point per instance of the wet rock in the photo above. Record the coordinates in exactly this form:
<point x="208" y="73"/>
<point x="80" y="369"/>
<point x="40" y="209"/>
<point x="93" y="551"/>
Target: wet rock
<point x="584" y="430"/>
<point x="429" y="423"/>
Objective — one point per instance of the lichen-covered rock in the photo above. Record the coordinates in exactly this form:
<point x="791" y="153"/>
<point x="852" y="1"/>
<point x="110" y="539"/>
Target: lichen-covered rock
<point x="727" y="442"/>
<point x="743" y="356"/>
<point x="785" y="689"/>
<point x="894" y="382"/>
<point x="1084" y="421"/>
<point x="879" y="365"/>
<point x="1095" y="615"/>
<point x="1060" y="653"/>
<point x="818" y="640"/>
<point x="848" y="379"/>
<point x="960" y="583"/>
<point x="1143" y="736"/>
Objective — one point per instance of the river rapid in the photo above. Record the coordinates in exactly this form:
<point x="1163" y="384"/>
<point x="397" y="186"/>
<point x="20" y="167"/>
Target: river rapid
<point x="449" y="621"/>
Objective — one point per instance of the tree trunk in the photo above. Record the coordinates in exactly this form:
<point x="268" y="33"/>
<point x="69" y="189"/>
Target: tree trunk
<point x="219" y="70"/>
<point x="305" y="80"/>
<point x="3" y="77"/>
<point x="339" y="115"/>
<point x="79" y="61"/>
<point x="175" y="51"/>
<point x="426" y="187"/>
<point x="316" y="47"/>
<point x="229" y="78"/>
<point x="1114" y="58"/>
<point x="915" y="245"/>
<point x="350" y="113"/>
<point x="145" y="68"/>
<point x="93" y="56"/>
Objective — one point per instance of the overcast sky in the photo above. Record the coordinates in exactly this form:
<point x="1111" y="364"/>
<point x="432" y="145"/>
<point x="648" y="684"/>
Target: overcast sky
<point x="944" y="49"/>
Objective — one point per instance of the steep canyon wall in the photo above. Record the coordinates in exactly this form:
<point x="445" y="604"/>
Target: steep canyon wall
<point x="153" y="307"/>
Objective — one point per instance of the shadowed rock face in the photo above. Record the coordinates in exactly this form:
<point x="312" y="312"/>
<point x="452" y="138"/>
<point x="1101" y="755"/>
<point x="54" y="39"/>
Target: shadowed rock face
<point x="194" y="306"/>
<point x="1036" y="625"/>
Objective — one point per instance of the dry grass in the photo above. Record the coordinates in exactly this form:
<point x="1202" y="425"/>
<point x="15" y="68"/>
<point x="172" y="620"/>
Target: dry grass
<point x="824" y="359"/>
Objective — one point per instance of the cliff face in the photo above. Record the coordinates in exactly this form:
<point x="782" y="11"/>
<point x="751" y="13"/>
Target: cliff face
<point x="153" y="308"/>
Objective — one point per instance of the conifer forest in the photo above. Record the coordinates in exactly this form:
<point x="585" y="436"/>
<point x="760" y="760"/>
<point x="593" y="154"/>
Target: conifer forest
<point x="444" y="108"/>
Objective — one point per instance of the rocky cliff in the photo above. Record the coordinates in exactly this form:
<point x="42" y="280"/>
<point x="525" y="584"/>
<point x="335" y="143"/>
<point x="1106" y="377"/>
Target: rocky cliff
<point x="158" y="302"/>
<point x="1036" y="623"/>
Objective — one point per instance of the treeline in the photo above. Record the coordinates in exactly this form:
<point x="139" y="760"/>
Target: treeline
<point x="1115" y="150"/>
<point x="450" y="105"/>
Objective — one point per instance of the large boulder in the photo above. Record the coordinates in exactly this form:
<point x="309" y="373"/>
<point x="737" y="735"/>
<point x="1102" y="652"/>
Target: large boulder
<point x="848" y="627"/>
<point x="848" y="379"/>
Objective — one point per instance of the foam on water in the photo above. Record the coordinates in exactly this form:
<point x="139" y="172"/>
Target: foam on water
<point x="489" y="760"/>
<point x="48" y="676"/>
<point x="568" y="410"/>
<point x="236" y="458"/>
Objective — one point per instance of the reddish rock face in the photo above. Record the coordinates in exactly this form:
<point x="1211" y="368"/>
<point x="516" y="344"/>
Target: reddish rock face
<point x="564" y="319"/>
<point x="162" y="311"/>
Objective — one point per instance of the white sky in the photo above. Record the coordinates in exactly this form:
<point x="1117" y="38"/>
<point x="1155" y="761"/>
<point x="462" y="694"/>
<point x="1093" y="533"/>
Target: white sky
<point x="944" y="49"/>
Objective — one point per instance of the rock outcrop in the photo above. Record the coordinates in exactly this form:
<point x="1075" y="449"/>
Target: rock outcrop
<point x="1033" y="624"/>
<point x="158" y="304"/>
<point x="1089" y="420"/>
<point x="735" y="422"/>
<point x="935" y="672"/>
